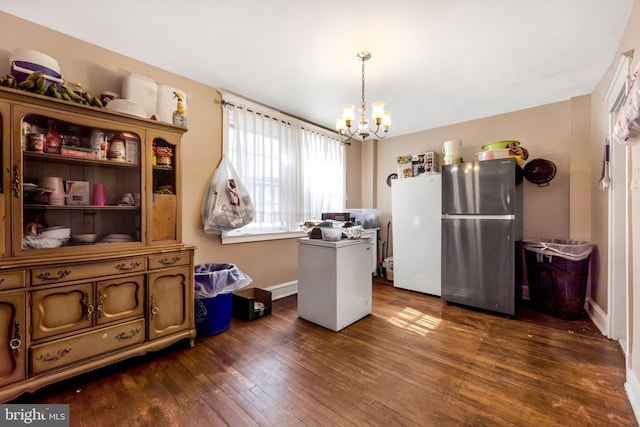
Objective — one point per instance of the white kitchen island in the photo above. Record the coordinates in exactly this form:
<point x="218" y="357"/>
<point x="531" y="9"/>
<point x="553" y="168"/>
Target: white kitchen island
<point x="334" y="281"/>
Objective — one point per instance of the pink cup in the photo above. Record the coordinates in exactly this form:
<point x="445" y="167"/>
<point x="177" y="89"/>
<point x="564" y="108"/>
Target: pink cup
<point x="99" y="197"/>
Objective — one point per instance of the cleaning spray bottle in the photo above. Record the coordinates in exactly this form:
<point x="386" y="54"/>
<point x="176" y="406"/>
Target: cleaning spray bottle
<point x="180" y="114"/>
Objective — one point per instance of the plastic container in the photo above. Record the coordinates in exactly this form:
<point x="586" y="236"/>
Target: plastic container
<point x="558" y="271"/>
<point x="367" y="218"/>
<point x="212" y="315"/>
<point x="331" y="233"/>
<point x="214" y="284"/>
<point x="26" y="61"/>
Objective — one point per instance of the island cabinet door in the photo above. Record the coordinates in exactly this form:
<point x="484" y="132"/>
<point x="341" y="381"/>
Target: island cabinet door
<point x="12" y="338"/>
<point x="120" y="299"/>
<point x="60" y="310"/>
<point x="170" y="301"/>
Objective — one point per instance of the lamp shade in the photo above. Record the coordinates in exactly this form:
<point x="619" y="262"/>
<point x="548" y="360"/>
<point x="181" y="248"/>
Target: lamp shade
<point x="348" y="113"/>
<point x="377" y="112"/>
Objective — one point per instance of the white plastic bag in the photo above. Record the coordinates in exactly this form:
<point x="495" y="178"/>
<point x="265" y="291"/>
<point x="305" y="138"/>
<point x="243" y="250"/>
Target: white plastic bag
<point x="227" y="204"/>
<point x="626" y="130"/>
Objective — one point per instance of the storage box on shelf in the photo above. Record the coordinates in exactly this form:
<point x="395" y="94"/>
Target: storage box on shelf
<point x="118" y="283"/>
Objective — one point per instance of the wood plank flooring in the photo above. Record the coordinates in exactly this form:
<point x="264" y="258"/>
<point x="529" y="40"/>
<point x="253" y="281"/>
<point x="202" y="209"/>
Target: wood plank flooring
<point x="416" y="361"/>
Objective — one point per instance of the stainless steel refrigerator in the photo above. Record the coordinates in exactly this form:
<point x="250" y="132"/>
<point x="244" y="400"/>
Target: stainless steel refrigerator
<point x="481" y="231"/>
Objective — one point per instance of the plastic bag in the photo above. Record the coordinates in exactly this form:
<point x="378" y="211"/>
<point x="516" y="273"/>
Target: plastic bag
<point x="213" y="279"/>
<point x="227" y="204"/>
<point x="573" y="250"/>
<point x="626" y="130"/>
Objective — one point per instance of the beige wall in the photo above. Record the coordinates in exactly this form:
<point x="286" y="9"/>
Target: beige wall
<point x="630" y="40"/>
<point x="268" y="263"/>
<point x="545" y="131"/>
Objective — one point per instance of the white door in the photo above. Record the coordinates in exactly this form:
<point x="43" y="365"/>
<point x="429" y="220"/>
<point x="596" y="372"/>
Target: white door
<point x="416" y="216"/>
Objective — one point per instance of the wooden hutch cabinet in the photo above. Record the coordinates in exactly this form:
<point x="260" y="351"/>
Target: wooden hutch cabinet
<point x="119" y="283"/>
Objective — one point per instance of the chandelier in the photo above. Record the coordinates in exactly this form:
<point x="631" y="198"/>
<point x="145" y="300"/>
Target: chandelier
<point x="381" y="118"/>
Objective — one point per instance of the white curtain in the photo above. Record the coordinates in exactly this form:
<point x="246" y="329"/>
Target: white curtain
<point x="292" y="170"/>
<point x="324" y="177"/>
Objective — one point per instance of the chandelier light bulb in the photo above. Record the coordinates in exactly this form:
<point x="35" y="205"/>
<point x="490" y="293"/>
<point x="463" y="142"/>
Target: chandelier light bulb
<point x="377" y="112"/>
<point x="386" y="120"/>
<point x="348" y="113"/>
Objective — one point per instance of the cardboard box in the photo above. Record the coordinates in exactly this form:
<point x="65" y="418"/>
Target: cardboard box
<point x="77" y="192"/>
<point x="243" y="303"/>
<point x="131" y="151"/>
<point x="405" y="169"/>
<point x="424" y="163"/>
<point x="79" y="152"/>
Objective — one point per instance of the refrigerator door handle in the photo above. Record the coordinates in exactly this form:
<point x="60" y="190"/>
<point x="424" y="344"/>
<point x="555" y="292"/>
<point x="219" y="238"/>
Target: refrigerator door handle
<point x="502" y="217"/>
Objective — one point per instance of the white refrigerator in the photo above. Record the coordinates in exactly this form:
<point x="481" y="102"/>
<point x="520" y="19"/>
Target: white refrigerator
<point x="416" y="211"/>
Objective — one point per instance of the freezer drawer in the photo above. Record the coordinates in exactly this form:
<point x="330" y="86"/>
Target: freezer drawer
<point x="478" y="263"/>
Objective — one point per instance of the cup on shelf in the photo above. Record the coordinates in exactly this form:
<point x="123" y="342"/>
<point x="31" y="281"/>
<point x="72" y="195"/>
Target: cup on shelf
<point x="127" y="199"/>
<point x="99" y="196"/>
<point x="55" y="184"/>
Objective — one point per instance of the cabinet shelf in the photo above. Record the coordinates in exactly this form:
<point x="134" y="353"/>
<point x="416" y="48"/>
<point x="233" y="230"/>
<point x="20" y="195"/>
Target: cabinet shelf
<point x="84" y="207"/>
<point x="58" y="158"/>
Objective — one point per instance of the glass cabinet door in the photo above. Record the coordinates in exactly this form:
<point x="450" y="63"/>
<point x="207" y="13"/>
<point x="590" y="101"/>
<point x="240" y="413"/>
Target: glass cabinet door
<point x="5" y="183"/>
<point x="164" y="220"/>
<point x="80" y="182"/>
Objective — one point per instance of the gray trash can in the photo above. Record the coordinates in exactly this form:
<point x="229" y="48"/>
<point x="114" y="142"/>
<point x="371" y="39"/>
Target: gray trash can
<point x="558" y="271"/>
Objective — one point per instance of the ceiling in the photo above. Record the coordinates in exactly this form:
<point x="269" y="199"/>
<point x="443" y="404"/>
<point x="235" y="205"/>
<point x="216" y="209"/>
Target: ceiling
<point x="434" y="62"/>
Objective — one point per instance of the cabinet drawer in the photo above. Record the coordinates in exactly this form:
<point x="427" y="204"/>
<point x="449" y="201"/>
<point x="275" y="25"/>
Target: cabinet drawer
<point x="66" y="273"/>
<point x="62" y="352"/>
<point x="171" y="259"/>
<point x="12" y="279"/>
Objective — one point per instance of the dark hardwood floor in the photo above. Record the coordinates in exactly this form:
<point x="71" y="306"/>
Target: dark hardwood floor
<point x="416" y="361"/>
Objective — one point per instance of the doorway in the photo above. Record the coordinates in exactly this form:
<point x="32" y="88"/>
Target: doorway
<point x="618" y="228"/>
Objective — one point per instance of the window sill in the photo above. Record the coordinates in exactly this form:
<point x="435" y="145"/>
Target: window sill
<point x="243" y="238"/>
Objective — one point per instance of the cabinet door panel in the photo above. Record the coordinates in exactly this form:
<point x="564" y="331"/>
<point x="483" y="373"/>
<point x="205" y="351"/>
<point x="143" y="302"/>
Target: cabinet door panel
<point x="59" y="310"/>
<point x="6" y="184"/>
<point x="163" y="216"/>
<point x="12" y="338"/>
<point x="169" y="301"/>
<point x="120" y="299"/>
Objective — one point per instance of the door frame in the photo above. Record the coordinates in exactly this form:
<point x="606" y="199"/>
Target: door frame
<point x="618" y="260"/>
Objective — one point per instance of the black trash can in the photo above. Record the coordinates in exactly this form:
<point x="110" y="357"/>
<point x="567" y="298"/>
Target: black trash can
<point x="214" y="284"/>
<point x="558" y="272"/>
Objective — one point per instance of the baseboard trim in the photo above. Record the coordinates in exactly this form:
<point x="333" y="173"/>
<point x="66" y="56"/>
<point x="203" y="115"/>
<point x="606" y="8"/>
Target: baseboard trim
<point x="282" y="290"/>
<point x="632" y="386"/>
<point x="598" y="316"/>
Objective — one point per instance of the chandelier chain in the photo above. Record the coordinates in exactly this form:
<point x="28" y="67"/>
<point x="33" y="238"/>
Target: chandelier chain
<point x="364" y="106"/>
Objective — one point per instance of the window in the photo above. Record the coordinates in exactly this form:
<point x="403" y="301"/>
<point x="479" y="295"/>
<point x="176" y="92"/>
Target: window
<point x="292" y="170"/>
